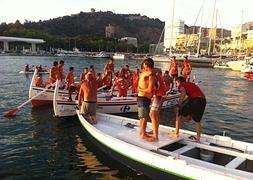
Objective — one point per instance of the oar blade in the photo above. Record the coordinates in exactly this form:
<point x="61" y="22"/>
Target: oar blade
<point x="10" y="113"/>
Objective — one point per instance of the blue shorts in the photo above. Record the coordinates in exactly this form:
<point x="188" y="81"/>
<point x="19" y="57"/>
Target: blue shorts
<point x="143" y="107"/>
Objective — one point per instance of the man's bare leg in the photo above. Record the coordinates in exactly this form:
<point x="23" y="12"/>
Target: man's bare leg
<point x="154" y="136"/>
<point x="198" y="130"/>
<point x="143" y="125"/>
<point x="178" y="125"/>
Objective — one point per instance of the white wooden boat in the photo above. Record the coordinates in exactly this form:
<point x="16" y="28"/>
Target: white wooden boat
<point x="106" y="104"/>
<point x="32" y="72"/>
<point x="46" y="98"/>
<point x="215" y="157"/>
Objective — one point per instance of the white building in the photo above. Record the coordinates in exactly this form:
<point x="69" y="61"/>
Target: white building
<point x="172" y="31"/>
<point x="130" y="40"/>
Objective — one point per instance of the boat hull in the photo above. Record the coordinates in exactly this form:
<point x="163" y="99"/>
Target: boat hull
<point x="247" y="69"/>
<point x="129" y="162"/>
<point x="115" y="105"/>
<point x="179" y="157"/>
<point x="236" y="65"/>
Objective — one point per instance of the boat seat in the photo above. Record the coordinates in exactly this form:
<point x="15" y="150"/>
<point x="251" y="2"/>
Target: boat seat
<point x="133" y="137"/>
<point x="235" y="162"/>
<point x="184" y="149"/>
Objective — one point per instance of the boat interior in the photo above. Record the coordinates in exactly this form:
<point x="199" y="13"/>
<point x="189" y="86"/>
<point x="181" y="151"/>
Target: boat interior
<point x="214" y="152"/>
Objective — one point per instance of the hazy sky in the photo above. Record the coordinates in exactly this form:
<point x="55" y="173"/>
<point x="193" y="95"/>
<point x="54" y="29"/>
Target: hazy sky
<point x="229" y="11"/>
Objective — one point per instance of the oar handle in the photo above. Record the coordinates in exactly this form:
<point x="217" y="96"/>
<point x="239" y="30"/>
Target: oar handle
<point x="102" y="87"/>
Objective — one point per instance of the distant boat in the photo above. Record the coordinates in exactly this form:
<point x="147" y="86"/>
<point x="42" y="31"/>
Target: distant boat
<point x="100" y="55"/>
<point x="236" y="65"/>
<point x="221" y="65"/>
<point x="240" y="65"/>
<point x="120" y="56"/>
<point x="195" y="61"/>
<point x="32" y="72"/>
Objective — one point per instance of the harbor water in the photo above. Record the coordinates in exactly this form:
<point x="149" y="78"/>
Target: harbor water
<point x="34" y="144"/>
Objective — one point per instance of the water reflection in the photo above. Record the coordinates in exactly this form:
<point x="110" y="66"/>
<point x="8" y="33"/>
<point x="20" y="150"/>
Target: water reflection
<point x="91" y="165"/>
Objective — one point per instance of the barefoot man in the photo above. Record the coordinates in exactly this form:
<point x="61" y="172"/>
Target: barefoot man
<point x="87" y="98"/>
<point x="192" y="108"/>
<point x="145" y="93"/>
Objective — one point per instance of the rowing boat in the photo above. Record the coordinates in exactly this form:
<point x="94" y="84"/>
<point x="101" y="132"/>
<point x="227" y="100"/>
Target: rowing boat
<point x="215" y="157"/>
<point x="32" y="72"/>
<point x="46" y="98"/>
<point x="106" y="104"/>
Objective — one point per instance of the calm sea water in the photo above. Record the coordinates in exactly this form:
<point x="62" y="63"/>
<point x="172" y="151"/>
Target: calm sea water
<point x="34" y="144"/>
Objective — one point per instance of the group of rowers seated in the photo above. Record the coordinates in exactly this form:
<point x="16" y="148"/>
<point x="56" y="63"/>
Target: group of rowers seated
<point x="123" y="80"/>
<point x="27" y="68"/>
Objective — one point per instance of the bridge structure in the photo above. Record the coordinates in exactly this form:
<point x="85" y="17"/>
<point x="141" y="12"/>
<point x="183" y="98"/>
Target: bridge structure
<point x="33" y="42"/>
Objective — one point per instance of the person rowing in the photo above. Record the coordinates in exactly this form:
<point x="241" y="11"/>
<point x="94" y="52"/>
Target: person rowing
<point x="60" y="70"/>
<point x="186" y="69"/>
<point x="38" y="81"/>
<point x="108" y="73"/>
<point x="71" y="83"/>
<point x="121" y="83"/>
<point x="54" y="73"/>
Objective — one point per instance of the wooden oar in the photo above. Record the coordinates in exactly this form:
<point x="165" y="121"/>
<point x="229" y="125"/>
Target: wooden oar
<point x="102" y="87"/>
<point x="14" y="110"/>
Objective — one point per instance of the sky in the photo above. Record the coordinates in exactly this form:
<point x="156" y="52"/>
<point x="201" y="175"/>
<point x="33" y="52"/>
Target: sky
<point x="230" y="12"/>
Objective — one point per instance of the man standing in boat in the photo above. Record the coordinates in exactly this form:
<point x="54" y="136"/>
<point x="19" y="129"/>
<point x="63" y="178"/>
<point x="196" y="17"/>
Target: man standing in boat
<point x="87" y="99"/>
<point x="109" y="71"/>
<point x="173" y="70"/>
<point x="60" y="68"/>
<point x="145" y="93"/>
<point x="121" y="83"/>
<point x="71" y="82"/>
<point x="54" y="73"/>
<point x="192" y="107"/>
<point x="186" y="69"/>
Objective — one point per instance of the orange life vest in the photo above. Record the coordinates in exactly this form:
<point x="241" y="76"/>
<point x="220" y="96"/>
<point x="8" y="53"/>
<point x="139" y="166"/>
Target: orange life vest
<point x="135" y="83"/>
<point x="122" y="87"/>
<point x="174" y="68"/>
<point x="70" y="79"/>
<point x="38" y="82"/>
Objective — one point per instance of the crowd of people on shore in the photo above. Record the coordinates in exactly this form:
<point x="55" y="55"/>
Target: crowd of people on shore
<point x="148" y="82"/>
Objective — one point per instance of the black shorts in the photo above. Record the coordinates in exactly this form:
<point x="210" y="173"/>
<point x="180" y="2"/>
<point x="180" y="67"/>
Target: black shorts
<point x="194" y="107"/>
<point x="72" y="88"/>
<point x="174" y="76"/>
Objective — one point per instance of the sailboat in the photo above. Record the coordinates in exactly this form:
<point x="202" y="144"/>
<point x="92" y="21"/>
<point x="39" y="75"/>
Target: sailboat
<point x="239" y="65"/>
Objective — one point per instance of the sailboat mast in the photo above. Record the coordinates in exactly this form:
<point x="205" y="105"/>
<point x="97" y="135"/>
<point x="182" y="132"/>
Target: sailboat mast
<point x="214" y="41"/>
<point x="200" y="28"/>
<point x="240" y="44"/>
<point x="158" y="44"/>
<point x="210" y="39"/>
<point x="172" y="26"/>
